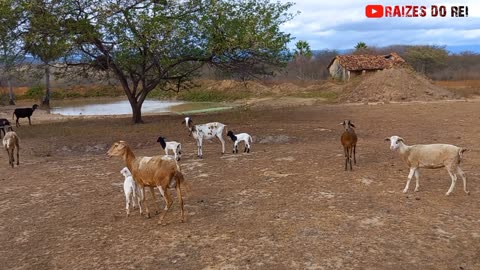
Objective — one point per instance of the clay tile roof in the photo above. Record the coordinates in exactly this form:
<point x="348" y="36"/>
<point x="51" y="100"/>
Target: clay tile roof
<point x="368" y="62"/>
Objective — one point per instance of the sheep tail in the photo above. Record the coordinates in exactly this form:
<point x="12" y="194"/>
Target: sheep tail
<point x="460" y="154"/>
<point x="181" y="181"/>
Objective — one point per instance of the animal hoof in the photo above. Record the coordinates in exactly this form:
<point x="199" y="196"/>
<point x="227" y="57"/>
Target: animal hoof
<point x="405" y="190"/>
<point x="416" y="190"/>
<point x="447" y="194"/>
<point x="468" y="192"/>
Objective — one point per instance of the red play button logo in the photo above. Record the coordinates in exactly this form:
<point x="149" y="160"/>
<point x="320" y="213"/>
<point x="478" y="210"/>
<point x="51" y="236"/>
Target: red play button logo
<point x="374" y="11"/>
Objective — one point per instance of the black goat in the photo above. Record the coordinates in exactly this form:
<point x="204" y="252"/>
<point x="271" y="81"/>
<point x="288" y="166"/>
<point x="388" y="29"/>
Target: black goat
<point x="24" y="112"/>
<point x="4" y="126"/>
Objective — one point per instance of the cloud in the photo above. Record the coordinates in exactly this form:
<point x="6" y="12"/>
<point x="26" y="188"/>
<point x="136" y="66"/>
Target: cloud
<point x="341" y="24"/>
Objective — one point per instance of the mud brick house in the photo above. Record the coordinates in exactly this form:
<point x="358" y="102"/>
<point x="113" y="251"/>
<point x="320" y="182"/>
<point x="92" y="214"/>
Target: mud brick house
<point x="344" y="67"/>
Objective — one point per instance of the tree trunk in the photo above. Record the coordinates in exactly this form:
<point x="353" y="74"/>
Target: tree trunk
<point x="10" y="92"/>
<point x="46" y="99"/>
<point x="137" y="112"/>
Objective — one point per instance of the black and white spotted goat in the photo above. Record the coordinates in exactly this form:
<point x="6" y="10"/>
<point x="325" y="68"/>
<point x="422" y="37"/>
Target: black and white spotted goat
<point x="176" y="147"/>
<point x="205" y="131"/>
<point x="236" y="138"/>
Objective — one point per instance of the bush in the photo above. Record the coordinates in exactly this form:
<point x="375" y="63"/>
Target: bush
<point x="35" y="92"/>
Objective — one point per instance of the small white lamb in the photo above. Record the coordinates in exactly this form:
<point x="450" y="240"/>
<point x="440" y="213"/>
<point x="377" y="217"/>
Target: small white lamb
<point x="133" y="192"/>
<point x="176" y="147"/>
<point x="430" y="156"/>
<point x="236" y="138"/>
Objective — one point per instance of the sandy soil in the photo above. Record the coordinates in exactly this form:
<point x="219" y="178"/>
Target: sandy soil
<point x="287" y="205"/>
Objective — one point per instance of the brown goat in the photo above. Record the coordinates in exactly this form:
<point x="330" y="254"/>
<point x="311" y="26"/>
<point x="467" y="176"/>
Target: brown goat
<point x="10" y="142"/>
<point x="349" y="142"/>
<point x="157" y="171"/>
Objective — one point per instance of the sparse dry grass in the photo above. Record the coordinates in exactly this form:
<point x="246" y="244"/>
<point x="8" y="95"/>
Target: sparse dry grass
<point x="464" y="88"/>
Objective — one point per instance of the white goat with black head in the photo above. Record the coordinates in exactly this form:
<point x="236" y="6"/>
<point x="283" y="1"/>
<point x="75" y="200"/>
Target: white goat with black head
<point x="236" y="138"/>
<point x="206" y="131"/>
<point x="176" y="147"/>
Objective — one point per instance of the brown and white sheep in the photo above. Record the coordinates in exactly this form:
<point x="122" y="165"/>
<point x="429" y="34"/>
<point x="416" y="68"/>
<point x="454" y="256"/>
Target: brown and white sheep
<point x="349" y="142"/>
<point x="162" y="172"/>
<point x="10" y="142"/>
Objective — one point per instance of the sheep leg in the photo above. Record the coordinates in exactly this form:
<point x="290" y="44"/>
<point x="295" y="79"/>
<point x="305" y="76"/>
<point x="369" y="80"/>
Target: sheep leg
<point x="223" y="143"/>
<point x="454" y="180"/>
<point x="168" y="203"/>
<point x="410" y="175"/>
<point x="350" y="157"/>
<point x="29" y="122"/>
<point x="354" y="158"/>
<point x="462" y="174"/>
<point x="140" y="199"/>
<point x="417" y="181"/>
<point x="180" y="199"/>
<point x="199" y="149"/>
<point x="127" y="204"/>
<point x="18" y="154"/>
<point x="152" y="191"/>
<point x="345" y="150"/>
<point x="10" y="158"/>
<point x="147" y="212"/>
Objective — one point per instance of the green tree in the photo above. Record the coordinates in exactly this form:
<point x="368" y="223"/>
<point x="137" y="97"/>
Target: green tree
<point x="426" y="59"/>
<point x="46" y="37"/>
<point x="302" y="49"/>
<point x="302" y="55"/>
<point x="11" y="53"/>
<point x="362" y="48"/>
<point x="149" y="44"/>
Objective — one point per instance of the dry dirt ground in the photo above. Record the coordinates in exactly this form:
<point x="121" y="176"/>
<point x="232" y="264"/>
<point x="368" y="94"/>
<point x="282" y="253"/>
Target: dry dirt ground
<point x="287" y="205"/>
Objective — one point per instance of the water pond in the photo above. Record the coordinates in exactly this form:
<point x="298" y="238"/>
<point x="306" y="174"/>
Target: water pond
<point x="109" y="106"/>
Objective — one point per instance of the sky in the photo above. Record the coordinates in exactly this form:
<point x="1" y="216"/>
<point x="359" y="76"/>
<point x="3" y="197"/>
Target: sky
<point x="341" y="24"/>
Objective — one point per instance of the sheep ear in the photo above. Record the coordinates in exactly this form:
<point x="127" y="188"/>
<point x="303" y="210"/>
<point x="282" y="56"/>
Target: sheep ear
<point x="341" y="124"/>
<point x="183" y="122"/>
<point x="387" y="139"/>
<point x="400" y="139"/>
<point x="351" y="124"/>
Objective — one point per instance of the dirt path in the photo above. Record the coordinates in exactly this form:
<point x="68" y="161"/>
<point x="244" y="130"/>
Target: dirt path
<point x="287" y="205"/>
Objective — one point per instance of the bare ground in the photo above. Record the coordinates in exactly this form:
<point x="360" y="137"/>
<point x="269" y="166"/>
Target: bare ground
<point x="287" y="205"/>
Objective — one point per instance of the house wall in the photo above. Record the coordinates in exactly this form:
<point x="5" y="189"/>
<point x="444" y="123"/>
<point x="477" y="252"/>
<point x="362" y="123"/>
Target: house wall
<point x="337" y="71"/>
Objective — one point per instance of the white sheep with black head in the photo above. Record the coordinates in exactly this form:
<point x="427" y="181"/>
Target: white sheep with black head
<point x="241" y="137"/>
<point x="176" y="147"/>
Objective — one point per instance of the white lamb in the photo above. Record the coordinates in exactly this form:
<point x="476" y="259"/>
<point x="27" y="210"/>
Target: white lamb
<point x="176" y="147"/>
<point x="430" y="156"/>
<point x="133" y="192"/>
<point x="236" y="138"/>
